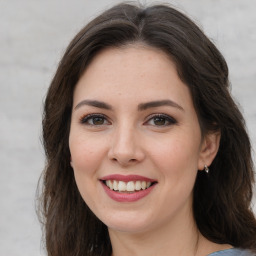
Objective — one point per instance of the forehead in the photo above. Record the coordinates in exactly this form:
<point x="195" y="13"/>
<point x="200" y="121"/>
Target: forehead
<point x="130" y="56"/>
<point x="145" y="73"/>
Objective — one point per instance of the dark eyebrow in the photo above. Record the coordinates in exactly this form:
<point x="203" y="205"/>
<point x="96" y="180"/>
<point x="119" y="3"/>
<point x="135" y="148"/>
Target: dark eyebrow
<point x="159" y="103"/>
<point x="141" y="107"/>
<point x="94" y="103"/>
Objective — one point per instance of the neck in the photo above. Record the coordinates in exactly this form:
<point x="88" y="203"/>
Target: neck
<point x="176" y="238"/>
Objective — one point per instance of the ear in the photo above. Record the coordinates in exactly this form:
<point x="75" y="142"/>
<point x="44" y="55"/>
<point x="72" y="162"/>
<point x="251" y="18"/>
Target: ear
<point x="209" y="149"/>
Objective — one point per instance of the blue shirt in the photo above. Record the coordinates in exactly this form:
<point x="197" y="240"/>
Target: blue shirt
<point x="233" y="252"/>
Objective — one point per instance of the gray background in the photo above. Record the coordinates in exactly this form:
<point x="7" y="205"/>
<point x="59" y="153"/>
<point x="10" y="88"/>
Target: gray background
<point x="33" y="36"/>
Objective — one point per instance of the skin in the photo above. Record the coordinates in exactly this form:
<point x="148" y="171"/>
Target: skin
<point x="127" y="141"/>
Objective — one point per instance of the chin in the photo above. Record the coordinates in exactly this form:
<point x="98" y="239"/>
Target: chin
<point x="127" y="224"/>
<point x="127" y="228"/>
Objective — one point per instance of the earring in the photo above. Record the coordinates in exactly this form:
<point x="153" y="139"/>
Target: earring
<point x="206" y="169"/>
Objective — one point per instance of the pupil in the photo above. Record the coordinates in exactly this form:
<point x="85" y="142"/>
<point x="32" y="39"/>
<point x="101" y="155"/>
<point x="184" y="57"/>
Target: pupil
<point x="159" y="121"/>
<point x="98" y="120"/>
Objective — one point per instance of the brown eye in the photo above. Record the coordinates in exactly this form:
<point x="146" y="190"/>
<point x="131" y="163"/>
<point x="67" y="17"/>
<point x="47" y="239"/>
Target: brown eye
<point x="98" y="120"/>
<point x="95" y="119"/>
<point x="161" y="120"/>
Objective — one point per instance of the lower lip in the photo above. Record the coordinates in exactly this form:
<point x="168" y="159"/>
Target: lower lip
<point x="127" y="197"/>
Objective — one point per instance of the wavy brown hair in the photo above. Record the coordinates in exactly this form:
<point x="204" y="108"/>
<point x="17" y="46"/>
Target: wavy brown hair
<point x="222" y="199"/>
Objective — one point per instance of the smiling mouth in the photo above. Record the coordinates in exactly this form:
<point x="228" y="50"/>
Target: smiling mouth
<point x="127" y="187"/>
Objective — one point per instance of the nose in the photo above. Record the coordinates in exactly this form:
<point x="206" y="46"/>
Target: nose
<point x="126" y="148"/>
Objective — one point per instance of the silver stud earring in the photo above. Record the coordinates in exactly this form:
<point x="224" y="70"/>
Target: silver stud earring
<point x="206" y="169"/>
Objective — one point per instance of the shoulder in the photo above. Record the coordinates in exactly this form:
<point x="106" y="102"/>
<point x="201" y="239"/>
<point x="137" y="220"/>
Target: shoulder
<point x="233" y="252"/>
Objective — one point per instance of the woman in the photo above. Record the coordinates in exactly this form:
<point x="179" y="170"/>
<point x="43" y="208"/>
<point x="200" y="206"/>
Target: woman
<point x="147" y="153"/>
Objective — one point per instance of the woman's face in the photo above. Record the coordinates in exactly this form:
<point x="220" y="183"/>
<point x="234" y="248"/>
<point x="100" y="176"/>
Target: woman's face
<point x="135" y="140"/>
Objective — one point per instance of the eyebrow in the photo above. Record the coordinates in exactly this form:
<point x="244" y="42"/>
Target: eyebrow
<point x="141" y="107"/>
<point x="94" y="103"/>
<point x="159" y="103"/>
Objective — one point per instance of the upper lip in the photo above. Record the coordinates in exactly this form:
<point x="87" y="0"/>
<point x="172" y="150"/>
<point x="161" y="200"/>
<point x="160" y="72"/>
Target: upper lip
<point x="126" y="178"/>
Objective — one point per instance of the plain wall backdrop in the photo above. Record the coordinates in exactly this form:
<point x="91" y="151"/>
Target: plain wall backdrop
<point x="33" y="37"/>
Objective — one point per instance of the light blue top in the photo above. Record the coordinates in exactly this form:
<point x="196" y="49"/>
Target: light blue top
<point x="233" y="252"/>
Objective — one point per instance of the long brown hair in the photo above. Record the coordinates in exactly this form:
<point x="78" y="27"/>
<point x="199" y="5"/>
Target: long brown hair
<point x="221" y="199"/>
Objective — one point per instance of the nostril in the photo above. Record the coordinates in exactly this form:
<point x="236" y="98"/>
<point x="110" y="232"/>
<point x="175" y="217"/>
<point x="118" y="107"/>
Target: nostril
<point x="124" y="162"/>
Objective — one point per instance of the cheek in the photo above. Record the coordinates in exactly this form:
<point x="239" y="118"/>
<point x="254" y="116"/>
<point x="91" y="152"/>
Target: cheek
<point x="85" y="153"/>
<point x="178" y="169"/>
<point x="86" y="157"/>
<point x="177" y="161"/>
<point x="178" y="154"/>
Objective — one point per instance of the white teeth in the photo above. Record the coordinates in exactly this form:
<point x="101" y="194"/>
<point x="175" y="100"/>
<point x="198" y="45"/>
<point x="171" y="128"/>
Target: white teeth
<point x="130" y="186"/>
<point x="121" y="186"/>
<point x="138" y="185"/>
<point x="109" y="184"/>
<point x="115" y="185"/>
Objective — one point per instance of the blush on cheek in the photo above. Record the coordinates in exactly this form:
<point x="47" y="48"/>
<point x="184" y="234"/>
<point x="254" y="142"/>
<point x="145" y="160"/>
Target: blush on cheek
<point x="83" y="167"/>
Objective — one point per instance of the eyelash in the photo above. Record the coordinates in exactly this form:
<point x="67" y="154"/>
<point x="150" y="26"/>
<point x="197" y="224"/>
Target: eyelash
<point x="170" y="120"/>
<point x="166" y="118"/>
<point x="85" y="119"/>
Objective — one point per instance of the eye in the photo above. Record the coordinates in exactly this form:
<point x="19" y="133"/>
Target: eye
<point x="95" y="120"/>
<point x="161" y="120"/>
